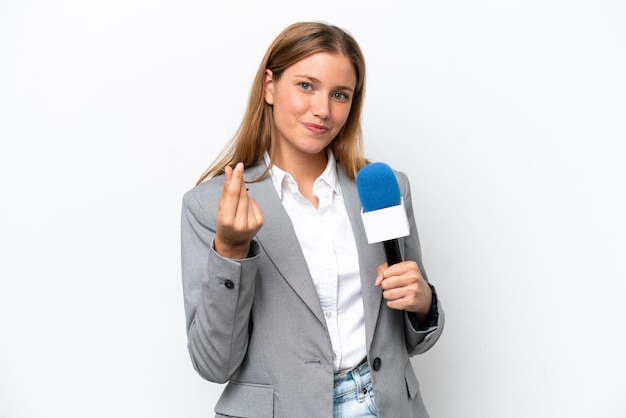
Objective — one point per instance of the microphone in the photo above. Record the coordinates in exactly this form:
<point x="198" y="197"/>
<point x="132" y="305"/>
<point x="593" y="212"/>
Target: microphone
<point x="383" y="213"/>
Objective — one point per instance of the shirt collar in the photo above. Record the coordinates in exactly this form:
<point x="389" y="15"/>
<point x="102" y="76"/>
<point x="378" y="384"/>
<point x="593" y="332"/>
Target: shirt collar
<point x="328" y="176"/>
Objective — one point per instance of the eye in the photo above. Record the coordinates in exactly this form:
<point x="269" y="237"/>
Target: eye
<point x="341" y="96"/>
<point x="305" y="86"/>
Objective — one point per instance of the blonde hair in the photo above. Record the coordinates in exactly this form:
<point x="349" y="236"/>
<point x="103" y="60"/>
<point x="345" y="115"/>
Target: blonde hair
<point x="256" y="132"/>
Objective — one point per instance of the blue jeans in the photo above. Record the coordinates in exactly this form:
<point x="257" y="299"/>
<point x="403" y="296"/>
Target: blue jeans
<point x="354" y="394"/>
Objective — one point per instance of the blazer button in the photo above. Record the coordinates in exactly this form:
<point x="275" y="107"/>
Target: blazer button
<point x="229" y="284"/>
<point x="376" y="364"/>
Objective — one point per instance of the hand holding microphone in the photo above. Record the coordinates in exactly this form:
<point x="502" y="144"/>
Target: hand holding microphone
<point x="385" y="220"/>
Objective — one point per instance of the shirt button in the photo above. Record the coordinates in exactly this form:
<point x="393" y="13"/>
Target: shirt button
<point x="229" y="284"/>
<point x="329" y="314"/>
<point x="377" y="363"/>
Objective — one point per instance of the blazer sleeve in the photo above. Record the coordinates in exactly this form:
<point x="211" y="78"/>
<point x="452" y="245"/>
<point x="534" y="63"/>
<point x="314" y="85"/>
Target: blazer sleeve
<point x="218" y="292"/>
<point x="418" y="340"/>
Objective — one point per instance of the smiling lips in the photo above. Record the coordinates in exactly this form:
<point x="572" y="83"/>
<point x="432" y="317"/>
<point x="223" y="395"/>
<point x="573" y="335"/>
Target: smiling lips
<point x="316" y="129"/>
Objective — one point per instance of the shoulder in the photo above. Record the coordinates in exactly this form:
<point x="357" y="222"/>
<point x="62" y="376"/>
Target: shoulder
<point x="203" y="198"/>
<point x="403" y="180"/>
<point x="206" y="189"/>
<point x="210" y="190"/>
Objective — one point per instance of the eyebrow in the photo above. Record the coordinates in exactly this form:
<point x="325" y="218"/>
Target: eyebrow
<point x="350" y="89"/>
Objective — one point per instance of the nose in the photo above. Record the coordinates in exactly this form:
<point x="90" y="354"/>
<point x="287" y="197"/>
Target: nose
<point x="320" y="106"/>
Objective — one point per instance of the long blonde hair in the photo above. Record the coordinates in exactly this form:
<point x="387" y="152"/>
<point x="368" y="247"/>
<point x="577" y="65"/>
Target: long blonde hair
<point x="256" y="132"/>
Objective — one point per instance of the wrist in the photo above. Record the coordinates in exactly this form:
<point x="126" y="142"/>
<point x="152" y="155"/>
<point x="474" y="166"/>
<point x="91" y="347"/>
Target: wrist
<point x="235" y="252"/>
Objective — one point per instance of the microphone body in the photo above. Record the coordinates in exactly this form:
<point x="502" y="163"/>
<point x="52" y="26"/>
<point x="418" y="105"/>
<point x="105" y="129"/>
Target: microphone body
<point x="383" y="213"/>
<point x="392" y="251"/>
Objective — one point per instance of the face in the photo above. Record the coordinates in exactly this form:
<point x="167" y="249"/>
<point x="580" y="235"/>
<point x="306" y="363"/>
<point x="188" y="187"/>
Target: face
<point x="311" y="102"/>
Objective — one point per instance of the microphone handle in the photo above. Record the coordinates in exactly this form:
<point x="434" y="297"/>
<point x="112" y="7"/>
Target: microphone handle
<point x="392" y="251"/>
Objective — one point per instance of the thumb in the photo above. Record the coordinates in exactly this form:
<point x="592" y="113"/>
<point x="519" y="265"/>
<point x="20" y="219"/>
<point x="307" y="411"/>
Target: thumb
<point x="379" y="274"/>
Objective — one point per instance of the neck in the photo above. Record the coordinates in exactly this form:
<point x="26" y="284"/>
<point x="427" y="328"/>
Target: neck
<point x="304" y="168"/>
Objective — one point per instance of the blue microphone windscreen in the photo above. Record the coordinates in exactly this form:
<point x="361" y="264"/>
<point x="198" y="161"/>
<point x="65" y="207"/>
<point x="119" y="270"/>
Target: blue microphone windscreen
<point x="377" y="187"/>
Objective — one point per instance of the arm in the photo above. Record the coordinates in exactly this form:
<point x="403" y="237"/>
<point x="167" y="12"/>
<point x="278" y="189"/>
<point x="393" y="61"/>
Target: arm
<point x="218" y="290"/>
<point x="406" y="287"/>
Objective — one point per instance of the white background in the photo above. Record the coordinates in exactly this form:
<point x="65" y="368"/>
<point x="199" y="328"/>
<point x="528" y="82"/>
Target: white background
<point x="508" y="116"/>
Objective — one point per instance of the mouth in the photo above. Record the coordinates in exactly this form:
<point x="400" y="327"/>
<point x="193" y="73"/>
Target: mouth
<point x="315" y="128"/>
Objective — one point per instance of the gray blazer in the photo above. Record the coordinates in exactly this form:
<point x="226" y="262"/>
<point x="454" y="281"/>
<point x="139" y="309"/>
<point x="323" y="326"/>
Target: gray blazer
<point x="258" y="324"/>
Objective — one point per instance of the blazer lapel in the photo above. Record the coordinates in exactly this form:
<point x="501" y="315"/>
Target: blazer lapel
<point x="278" y="239"/>
<point x="370" y="256"/>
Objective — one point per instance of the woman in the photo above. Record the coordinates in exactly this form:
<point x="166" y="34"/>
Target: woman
<point x="285" y="300"/>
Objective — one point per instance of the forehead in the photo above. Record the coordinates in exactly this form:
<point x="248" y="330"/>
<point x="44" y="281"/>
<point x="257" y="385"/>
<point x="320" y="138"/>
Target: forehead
<point x="327" y="67"/>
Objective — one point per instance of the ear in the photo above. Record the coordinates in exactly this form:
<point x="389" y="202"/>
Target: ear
<point x="268" y="86"/>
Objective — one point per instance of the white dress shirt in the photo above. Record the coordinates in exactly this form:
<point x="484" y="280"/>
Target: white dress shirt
<point x="327" y="241"/>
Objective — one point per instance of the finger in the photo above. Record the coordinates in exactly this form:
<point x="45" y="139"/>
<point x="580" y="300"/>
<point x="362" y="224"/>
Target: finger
<point x="396" y="298"/>
<point x="399" y="305"/>
<point x="400" y="291"/>
<point x="256" y="213"/>
<point x="400" y="299"/>
<point x="245" y="207"/>
<point x="379" y="274"/>
<point x="388" y="275"/>
<point x="231" y="194"/>
<point x="403" y="273"/>
<point x="236" y="182"/>
<point x="228" y="171"/>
